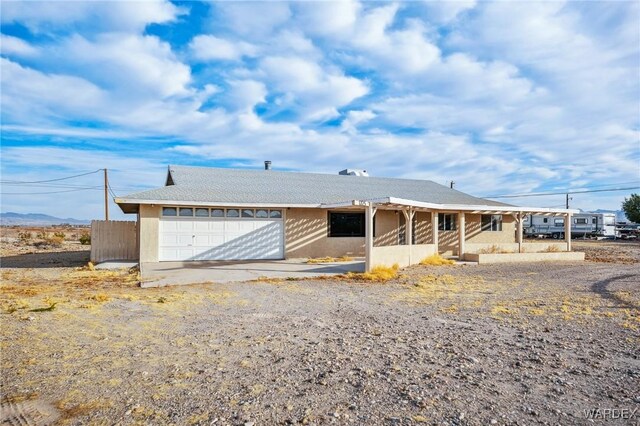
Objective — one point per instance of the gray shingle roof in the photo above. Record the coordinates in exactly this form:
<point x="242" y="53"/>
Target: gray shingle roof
<point x="217" y="185"/>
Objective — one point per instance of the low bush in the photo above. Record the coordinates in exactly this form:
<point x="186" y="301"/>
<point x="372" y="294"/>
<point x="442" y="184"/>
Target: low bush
<point x="552" y="249"/>
<point x="377" y="273"/>
<point x="60" y="235"/>
<point x="436" y="260"/>
<point x="25" y="236"/>
<point x="85" y="238"/>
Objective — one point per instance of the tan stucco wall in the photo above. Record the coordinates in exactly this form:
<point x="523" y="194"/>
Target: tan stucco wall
<point x="149" y="228"/>
<point x="402" y="255"/>
<point x="386" y="228"/>
<point x="473" y="223"/>
<point x="306" y="235"/>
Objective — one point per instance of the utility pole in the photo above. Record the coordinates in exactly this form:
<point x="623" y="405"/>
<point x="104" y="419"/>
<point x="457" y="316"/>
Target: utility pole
<point x="451" y="184"/>
<point x="567" y="202"/>
<point x="106" y="195"/>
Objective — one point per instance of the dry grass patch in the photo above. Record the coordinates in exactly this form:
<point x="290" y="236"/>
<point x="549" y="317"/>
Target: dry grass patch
<point x="378" y="273"/>
<point x="494" y="249"/>
<point x="436" y="260"/>
<point x="330" y="259"/>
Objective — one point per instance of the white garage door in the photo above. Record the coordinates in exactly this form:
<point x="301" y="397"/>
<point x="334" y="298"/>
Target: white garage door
<point x="219" y="234"/>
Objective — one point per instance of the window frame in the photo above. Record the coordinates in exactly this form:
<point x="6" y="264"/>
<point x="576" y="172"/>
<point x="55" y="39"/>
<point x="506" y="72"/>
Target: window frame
<point x="494" y="223"/>
<point x="331" y="228"/>
<point x="452" y="223"/>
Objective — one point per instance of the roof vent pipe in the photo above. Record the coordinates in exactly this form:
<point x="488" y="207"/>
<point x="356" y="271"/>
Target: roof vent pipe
<point x="267" y="165"/>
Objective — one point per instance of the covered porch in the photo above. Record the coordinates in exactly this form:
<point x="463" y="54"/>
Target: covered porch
<point x="480" y="233"/>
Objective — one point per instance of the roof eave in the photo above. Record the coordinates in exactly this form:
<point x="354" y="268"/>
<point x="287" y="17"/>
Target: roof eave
<point x="450" y="207"/>
<point x="128" y="201"/>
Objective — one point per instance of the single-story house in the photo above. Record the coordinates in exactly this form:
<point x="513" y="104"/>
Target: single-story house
<point x="227" y="214"/>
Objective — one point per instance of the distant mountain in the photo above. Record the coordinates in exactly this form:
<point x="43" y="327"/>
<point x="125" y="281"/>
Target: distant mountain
<point x="37" y="219"/>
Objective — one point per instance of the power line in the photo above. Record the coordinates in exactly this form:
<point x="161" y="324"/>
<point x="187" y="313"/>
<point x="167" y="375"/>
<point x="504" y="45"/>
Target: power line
<point x="49" y="185"/>
<point x="52" y="192"/>
<point x="540" y="194"/>
<point x="51" y="180"/>
<point x="113" y="194"/>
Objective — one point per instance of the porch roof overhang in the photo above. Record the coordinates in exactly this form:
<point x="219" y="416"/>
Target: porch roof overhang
<point x="401" y="203"/>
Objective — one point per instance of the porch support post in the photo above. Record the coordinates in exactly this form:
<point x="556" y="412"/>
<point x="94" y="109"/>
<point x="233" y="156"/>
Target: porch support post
<point x="368" y="233"/>
<point x="408" y="219"/>
<point x="434" y="229"/>
<point x="567" y="230"/>
<point x="461" y="234"/>
<point x="519" y="235"/>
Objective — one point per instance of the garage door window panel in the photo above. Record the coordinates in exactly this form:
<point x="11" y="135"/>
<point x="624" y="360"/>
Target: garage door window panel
<point x="185" y="211"/>
<point x="275" y="214"/>
<point x="169" y="211"/>
<point x="202" y="212"/>
<point x="247" y="213"/>
<point x="233" y="213"/>
<point x="217" y="212"/>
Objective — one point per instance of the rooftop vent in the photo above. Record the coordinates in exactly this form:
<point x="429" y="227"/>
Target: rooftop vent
<point x="267" y="165"/>
<point x="353" y="172"/>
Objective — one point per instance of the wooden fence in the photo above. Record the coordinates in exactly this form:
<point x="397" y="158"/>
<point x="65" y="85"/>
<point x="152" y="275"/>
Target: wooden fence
<point x="113" y="240"/>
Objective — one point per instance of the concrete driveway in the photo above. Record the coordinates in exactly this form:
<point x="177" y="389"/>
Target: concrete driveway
<point x="162" y="274"/>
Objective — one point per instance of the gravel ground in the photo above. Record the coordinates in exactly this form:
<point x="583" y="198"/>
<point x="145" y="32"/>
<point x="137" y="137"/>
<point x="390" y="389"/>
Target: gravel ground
<point x="453" y="345"/>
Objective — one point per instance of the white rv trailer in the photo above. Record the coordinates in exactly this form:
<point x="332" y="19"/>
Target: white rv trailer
<point x="583" y="225"/>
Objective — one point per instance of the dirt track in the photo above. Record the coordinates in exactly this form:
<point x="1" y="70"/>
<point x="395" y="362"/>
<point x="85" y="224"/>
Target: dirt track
<point x="508" y="344"/>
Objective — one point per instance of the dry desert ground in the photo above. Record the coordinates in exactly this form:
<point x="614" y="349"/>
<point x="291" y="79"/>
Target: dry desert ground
<point x="511" y="344"/>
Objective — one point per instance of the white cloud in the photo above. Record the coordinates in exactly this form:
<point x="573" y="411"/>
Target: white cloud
<point x="43" y="16"/>
<point x="253" y="19"/>
<point x="446" y="11"/>
<point x="209" y="47"/>
<point x="317" y="92"/>
<point x="355" y="117"/>
<point x="15" y="46"/>
<point x="328" y="18"/>
<point x="245" y="94"/>
<point x="126" y="63"/>
<point x="32" y="96"/>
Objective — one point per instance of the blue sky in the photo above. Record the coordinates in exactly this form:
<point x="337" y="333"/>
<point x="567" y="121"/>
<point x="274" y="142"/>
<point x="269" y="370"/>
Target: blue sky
<point x="501" y="97"/>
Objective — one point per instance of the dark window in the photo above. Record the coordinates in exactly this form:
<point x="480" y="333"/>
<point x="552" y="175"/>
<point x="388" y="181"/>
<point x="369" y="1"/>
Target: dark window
<point x="169" y="211"/>
<point x="184" y="211"/>
<point x="346" y="224"/>
<point x="545" y="220"/>
<point x="491" y="222"/>
<point x="581" y="221"/>
<point x="447" y="222"/>
<point x="594" y="220"/>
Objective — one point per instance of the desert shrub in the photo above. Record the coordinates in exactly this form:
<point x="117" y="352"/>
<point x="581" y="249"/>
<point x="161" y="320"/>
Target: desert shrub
<point x="377" y="273"/>
<point x="42" y="235"/>
<point x="552" y="249"/>
<point x="60" y="235"/>
<point x="25" y="236"/>
<point x="49" y="241"/>
<point x="436" y="260"/>
<point x="85" y="238"/>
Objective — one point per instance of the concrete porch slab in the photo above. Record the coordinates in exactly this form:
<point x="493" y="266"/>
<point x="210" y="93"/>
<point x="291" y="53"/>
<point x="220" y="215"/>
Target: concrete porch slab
<point x="160" y="274"/>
